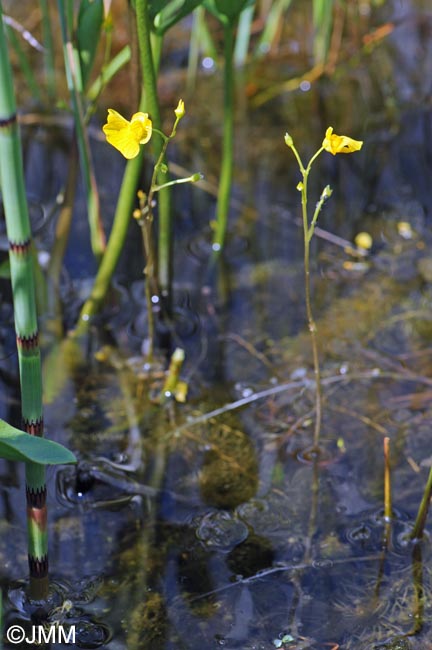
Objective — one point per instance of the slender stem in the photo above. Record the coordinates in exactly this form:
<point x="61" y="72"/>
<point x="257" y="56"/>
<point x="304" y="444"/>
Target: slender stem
<point x="417" y="569"/>
<point x="387" y="482"/>
<point x="148" y="70"/>
<point x="146" y="230"/>
<point x="224" y="192"/>
<point x="309" y="313"/>
<point x="146" y="223"/>
<point x="417" y="532"/>
<point x="23" y="288"/>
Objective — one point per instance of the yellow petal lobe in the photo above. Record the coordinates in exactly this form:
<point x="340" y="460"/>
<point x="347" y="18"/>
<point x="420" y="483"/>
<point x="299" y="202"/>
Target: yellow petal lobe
<point x="340" y="143"/>
<point x="143" y="125"/>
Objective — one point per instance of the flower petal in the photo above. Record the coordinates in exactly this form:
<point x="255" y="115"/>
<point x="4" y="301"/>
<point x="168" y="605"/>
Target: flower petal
<point x="141" y="127"/>
<point x="340" y="143"/>
<point x="123" y="140"/>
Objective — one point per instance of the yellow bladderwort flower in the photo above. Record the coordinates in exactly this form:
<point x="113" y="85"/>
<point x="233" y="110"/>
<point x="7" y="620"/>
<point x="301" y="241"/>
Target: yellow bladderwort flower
<point x="340" y="143"/>
<point x="127" y="136"/>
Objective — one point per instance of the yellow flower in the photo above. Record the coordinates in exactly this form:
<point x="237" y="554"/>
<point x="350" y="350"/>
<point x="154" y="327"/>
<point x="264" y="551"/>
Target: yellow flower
<point x="340" y="143"/>
<point x="127" y="136"/>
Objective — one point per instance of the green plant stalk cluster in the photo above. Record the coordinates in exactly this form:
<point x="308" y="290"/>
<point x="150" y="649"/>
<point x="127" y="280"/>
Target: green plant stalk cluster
<point x="115" y="244"/>
<point x="21" y="264"/>
<point x="145" y="220"/>
<point x="75" y="86"/>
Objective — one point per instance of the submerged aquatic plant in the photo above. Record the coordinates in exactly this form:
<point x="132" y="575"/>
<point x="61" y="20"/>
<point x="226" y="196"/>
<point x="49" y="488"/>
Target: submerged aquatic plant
<point x="334" y="144"/>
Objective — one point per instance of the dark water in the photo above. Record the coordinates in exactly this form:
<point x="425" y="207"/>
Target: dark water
<point x="211" y="524"/>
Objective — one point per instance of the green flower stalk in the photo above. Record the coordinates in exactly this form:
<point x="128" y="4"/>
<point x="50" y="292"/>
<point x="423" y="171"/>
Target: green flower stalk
<point x="21" y="264"/>
<point x="333" y="144"/>
<point x="144" y="215"/>
<point x="148" y="71"/>
<point x="127" y="136"/>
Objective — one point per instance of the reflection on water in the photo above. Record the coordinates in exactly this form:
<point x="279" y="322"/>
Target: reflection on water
<point x="185" y="530"/>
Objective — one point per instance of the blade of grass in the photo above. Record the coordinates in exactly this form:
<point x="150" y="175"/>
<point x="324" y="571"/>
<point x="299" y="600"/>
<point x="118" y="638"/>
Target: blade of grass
<point x="272" y="25"/>
<point x="322" y="12"/>
<point x="243" y="36"/>
<point x="200" y="41"/>
<point x="108" y="72"/>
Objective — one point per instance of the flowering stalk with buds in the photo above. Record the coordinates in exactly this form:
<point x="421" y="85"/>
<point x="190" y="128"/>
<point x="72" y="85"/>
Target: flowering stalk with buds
<point x="144" y="217"/>
<point x="333" y="144"/>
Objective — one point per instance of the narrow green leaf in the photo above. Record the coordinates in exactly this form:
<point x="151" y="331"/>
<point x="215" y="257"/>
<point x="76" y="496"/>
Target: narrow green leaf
<point x="227" y="9"/>
<point x="172" y="13"/>
<point x="18" y="445"/>
<point x="90" y="19"/>
<point x="5" y="271"/>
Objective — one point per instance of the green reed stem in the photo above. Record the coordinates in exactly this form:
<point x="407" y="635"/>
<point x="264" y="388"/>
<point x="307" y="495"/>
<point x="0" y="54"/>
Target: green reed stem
<point x="73" y="76"/>
<point x="148" y="71"/>
<point x="23" y="287"/>
<point x="420" y="522"/>
<point x="224" y="192"/>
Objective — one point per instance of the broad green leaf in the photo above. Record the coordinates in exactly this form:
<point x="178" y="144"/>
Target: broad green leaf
<point x="18" y="445"/>
<point x="90" y="19"/>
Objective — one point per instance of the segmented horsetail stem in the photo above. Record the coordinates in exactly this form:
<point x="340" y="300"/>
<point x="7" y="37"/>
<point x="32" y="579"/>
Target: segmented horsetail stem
<point x="23" y="288"/>
<point x="7" y="121"/>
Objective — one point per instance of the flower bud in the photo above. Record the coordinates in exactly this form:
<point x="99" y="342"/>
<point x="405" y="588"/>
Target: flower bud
<point x="180" y="110"/>
<point x="288" y="140"/>
<point x="326" y="193"/>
